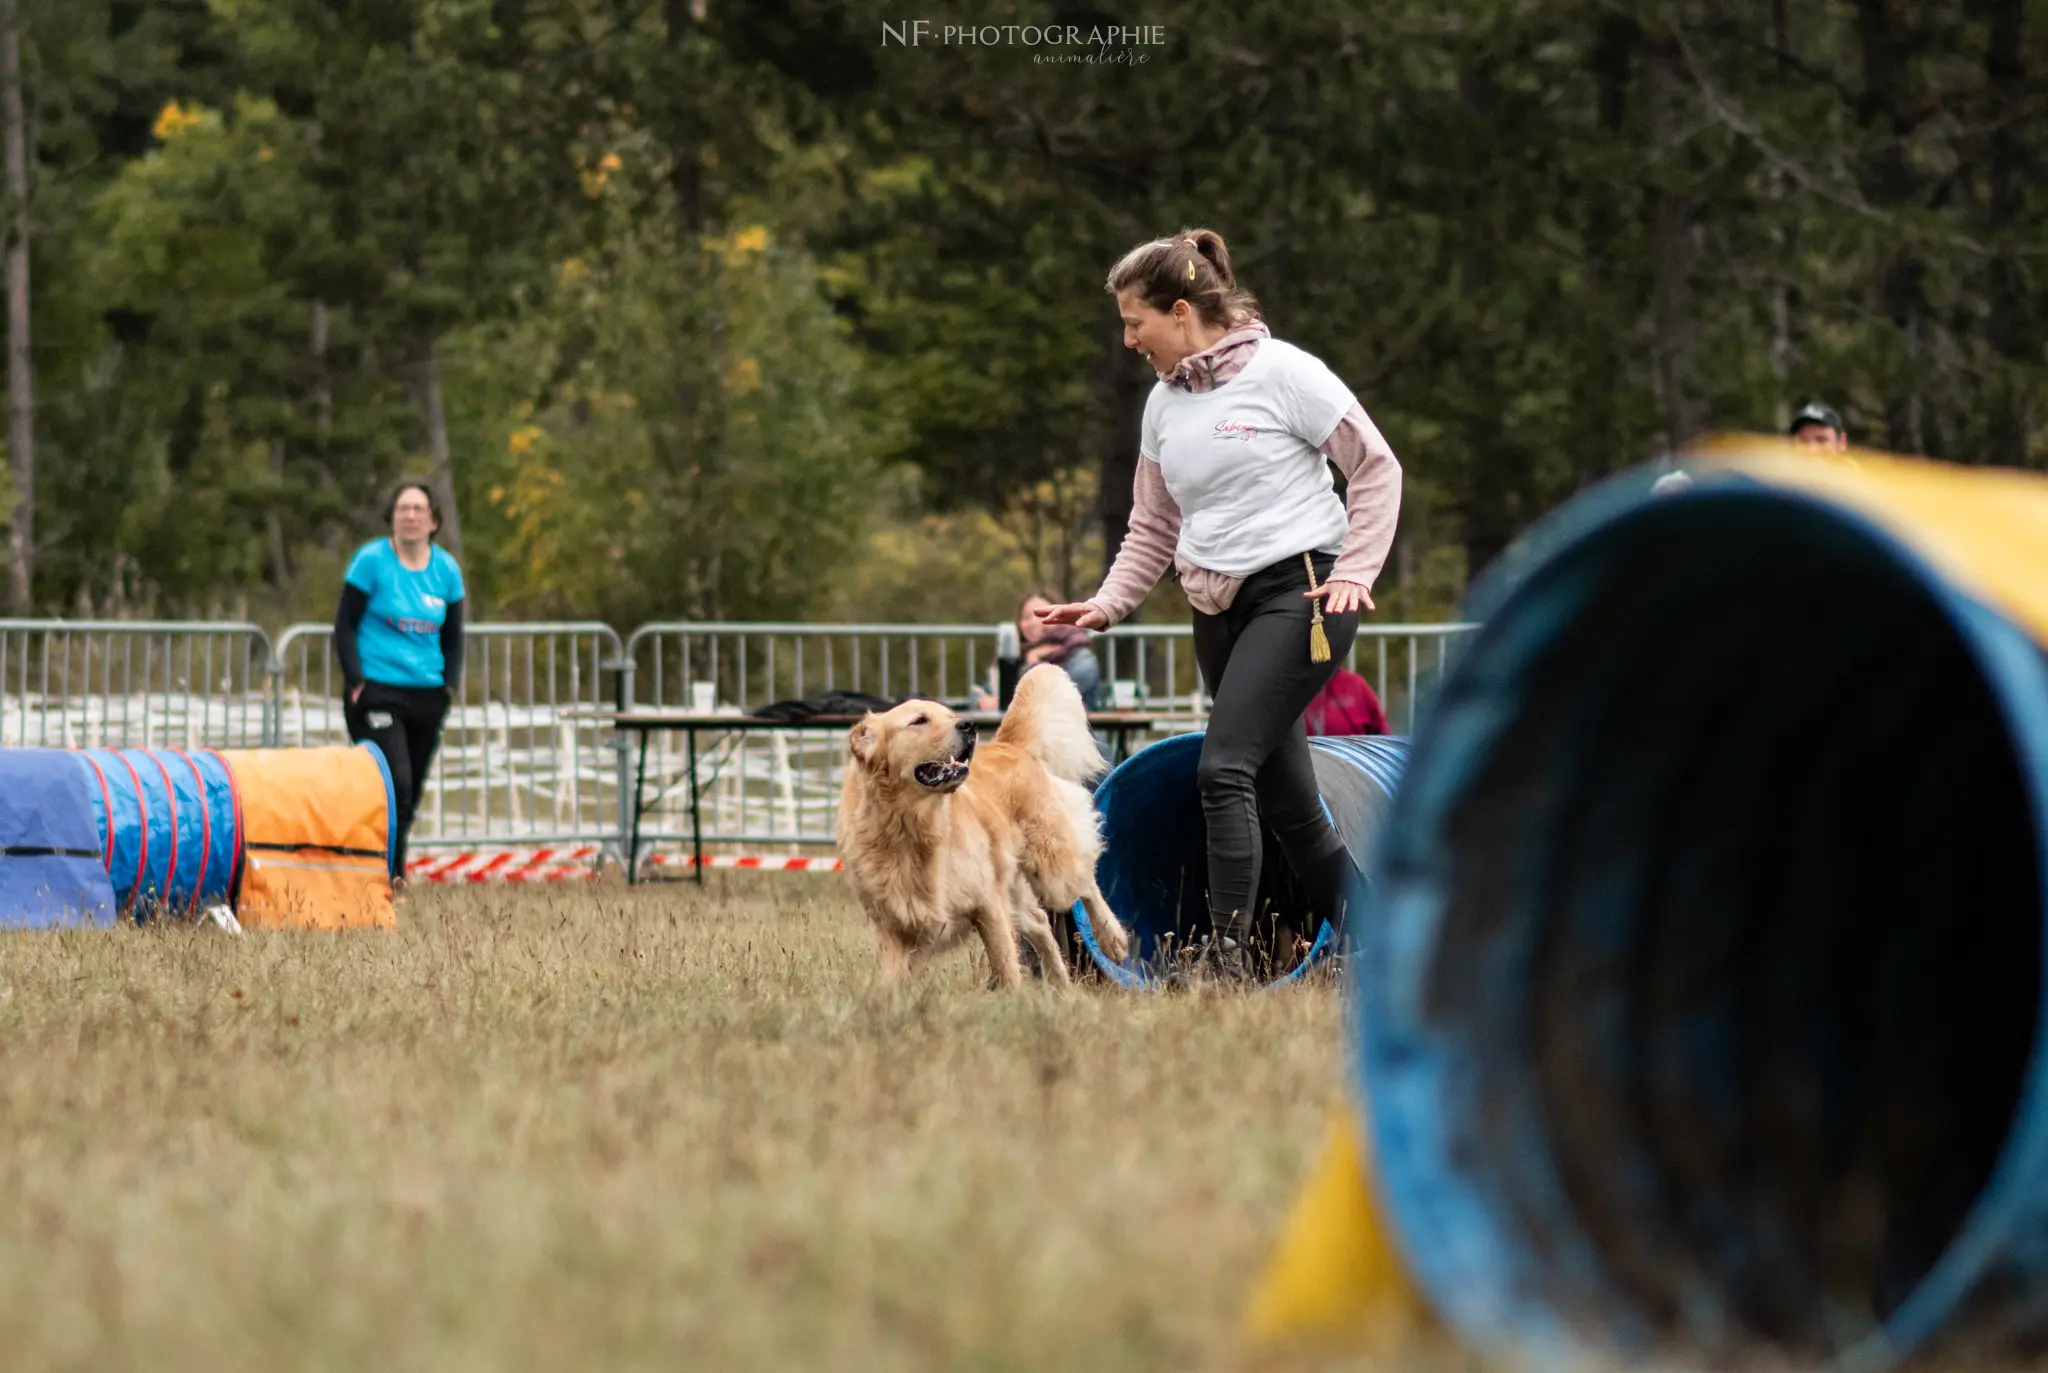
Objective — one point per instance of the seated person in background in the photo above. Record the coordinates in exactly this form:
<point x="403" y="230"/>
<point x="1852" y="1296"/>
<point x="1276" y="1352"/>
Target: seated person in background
<point x="1347" y="704"/>
<point x="1065" y="646"/>
<point x="1818" y="425"/>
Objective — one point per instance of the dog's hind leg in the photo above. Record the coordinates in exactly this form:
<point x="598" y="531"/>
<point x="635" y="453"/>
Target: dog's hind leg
<point x="1066" y="840"/>
<point x="1110" y="936"/>
<point x="1037" y="931"/>
<point x="999" y="937"/>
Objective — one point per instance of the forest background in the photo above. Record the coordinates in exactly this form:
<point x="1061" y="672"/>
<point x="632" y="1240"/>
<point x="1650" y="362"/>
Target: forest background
<point x="790" y="309"/>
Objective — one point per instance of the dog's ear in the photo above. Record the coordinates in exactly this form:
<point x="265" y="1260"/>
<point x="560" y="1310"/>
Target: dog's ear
<point x="863" y="740"/>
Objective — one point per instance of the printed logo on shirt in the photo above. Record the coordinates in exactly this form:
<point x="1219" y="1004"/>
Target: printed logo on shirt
<point x="405" y="624"/>
<point x="433" y="602"/>
<point x="1235" y="429"/>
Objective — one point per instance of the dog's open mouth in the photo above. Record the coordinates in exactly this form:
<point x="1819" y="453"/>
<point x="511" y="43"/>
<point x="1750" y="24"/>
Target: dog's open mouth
<point x="950" y="773"/>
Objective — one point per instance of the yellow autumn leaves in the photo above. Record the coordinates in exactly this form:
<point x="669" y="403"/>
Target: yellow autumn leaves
<point x="596" y="177"/>
<point x="174" y="119"/>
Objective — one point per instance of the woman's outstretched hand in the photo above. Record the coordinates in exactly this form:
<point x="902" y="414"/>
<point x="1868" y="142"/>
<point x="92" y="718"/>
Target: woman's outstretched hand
<point x="1342" y="597"/>
<point x="1075" y="613"/>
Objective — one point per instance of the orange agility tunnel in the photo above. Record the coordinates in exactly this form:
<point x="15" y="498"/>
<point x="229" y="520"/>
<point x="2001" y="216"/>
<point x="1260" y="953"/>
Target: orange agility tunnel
<point x="316" y="836"/>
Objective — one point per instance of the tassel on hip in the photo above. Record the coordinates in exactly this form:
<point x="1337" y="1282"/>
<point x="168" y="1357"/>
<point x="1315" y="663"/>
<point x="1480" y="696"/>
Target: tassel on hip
<point x="1318" y="638"/>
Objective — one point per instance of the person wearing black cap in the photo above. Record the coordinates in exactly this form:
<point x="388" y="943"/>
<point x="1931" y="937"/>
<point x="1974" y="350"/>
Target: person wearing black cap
<point x="1815" y="425"/>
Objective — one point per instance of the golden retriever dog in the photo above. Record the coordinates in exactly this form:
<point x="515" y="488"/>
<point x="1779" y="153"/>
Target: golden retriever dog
<point x="942" y="840"/>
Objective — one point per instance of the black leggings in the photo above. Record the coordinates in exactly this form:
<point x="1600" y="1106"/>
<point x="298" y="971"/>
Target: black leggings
<point x="405" y="722"/>
<point x="1255" y="757"/>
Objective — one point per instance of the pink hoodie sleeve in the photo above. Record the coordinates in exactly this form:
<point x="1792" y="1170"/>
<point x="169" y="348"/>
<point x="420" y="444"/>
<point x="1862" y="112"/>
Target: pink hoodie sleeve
<point x="1372" y="496"/>
<point x="1148" y="544"/>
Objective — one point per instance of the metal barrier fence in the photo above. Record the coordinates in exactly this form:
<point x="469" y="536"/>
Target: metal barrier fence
<point x="781" y="790"/>
<point x="521" y="764"/>
<point x="110" y="684"/>
<point x="691" y="664"/>
<point x="1403" y="663"/>
<point x="777" y="790"/>
<point x="517" y="766"/>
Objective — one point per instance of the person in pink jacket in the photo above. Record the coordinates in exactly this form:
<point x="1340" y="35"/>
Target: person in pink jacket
<point x="1347" y="704"/>
<point x="1234" y="492"/>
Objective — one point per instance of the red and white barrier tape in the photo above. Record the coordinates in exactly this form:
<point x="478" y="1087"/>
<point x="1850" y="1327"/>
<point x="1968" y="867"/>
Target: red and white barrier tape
<point x="580" y="864"/>
<point x="754" y="861"/>
<point x="506" y="865"/>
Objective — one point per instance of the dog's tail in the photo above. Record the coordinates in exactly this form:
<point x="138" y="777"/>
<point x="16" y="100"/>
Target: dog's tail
<point x="1047" y="720"/>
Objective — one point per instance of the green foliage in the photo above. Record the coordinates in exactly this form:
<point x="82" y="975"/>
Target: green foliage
<point x="665" y="431"/>
<point x="741" y="311"/>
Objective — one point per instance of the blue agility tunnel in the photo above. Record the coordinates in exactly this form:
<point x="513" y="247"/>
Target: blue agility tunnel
<point x="52" y="855"/>
<point x="169" y="823"/>
<point x="1700" y="1021"/>
<point x="1154" y="866"/>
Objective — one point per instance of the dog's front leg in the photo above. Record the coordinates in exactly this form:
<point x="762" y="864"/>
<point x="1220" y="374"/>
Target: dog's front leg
<point x="1030" y="919"/>
<point x="1000" y="939"/>
<point x="894" y="955"/>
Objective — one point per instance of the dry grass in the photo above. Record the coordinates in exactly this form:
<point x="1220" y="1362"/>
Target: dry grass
<point x="618" y="1129"/>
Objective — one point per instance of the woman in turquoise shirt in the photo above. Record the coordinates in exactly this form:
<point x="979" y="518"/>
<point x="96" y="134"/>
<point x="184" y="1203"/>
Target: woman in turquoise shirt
<point x="398" y="634"/>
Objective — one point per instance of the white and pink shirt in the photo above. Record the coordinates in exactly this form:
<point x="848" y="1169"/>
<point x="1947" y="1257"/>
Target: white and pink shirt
<point x="1232" y="476"/>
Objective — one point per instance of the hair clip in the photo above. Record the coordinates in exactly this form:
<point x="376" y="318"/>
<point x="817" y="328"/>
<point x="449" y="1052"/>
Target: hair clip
<point x="1191" y="271"/>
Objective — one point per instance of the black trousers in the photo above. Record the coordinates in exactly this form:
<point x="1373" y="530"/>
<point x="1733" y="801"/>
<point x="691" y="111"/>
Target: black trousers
<point x="1255" y="757"/>
<point x="405" y="722"/>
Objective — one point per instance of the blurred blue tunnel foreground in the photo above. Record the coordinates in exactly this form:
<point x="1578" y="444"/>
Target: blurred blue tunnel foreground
<point x="1698" y="1015"/>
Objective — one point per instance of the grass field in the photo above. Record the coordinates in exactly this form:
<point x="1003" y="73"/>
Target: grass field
<point x="618" y="1129"/>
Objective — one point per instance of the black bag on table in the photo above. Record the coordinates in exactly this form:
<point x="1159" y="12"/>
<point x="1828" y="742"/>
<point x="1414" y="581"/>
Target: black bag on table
<point x="826" y="703"/>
